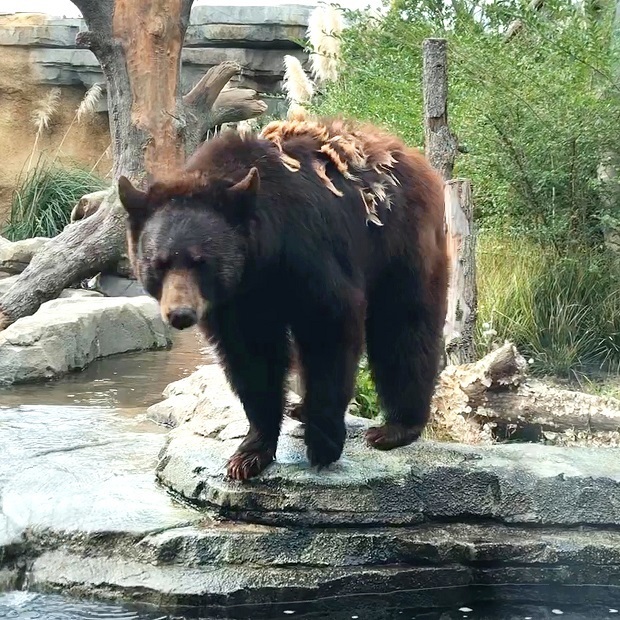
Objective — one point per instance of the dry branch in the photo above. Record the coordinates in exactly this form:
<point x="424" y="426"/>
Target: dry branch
<point x="80" y="251"/>
<point x="208" y="88"/>
<point x="237" y="104"/>
<point x="88" y="204"/>
<point x="493" y="399"/>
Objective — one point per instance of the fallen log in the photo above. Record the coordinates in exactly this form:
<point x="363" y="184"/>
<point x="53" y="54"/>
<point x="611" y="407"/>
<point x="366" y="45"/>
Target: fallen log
<point x="493" y="399"/>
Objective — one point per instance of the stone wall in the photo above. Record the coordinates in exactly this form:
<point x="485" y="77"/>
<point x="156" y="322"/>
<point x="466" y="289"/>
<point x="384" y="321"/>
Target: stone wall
<point x="38" y="53"/>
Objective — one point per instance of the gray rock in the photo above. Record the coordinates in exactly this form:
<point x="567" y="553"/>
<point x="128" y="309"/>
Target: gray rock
<point x="68" y="334"/>
<point x="77" y="293"/>
<point x="116" y="286"/>
<point x="306" y="570"/>
<point x="7" y="283"/>
<point x="15" y="255"/>
<point x="269" y="36"/>
<point x="54" y="33"/>
<point x="515" y="484"/>
<point x="208" y="25"/>
<point x="80" y="512"/>
<point x="262" y="68"/>
<point x="282" y="14"/>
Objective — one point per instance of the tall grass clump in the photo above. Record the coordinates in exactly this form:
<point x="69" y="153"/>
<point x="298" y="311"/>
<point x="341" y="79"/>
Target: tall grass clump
<point x="562" y="311"/>
<point x="44" y="197"/>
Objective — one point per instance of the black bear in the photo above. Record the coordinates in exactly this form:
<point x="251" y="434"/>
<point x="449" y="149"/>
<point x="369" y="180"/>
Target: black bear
<point x="329" y="232"/>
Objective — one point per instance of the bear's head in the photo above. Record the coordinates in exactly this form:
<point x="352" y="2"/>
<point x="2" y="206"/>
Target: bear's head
<point x="188" y="241"/>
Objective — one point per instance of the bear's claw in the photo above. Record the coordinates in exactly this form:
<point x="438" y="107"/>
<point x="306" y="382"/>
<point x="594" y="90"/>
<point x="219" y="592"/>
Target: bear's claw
<point x="246" y="465"/>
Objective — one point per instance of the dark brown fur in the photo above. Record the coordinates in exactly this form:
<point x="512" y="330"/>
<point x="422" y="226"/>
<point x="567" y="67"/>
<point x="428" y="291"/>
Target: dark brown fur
<point x="328" y="231"/>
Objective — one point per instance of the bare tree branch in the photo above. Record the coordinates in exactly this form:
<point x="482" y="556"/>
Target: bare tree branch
<point x="205" y="93"/>
<point x="236" y="104"/>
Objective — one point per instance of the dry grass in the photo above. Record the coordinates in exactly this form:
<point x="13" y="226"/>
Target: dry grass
<point x="42" y="116"/>
<point x="45" y="111"/>
<point x="88" y="105"/>
<point x="297" y="85"/>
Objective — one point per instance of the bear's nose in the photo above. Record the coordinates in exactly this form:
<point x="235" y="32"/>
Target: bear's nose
<point x="182" y="318"/>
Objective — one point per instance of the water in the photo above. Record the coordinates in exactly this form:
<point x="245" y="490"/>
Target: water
<point x="32" y="606"/>
<point x="129" y="382"/>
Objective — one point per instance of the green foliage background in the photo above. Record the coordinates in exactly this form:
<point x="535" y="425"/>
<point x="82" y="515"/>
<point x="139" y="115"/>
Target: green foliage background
<point x="537" y="114"/>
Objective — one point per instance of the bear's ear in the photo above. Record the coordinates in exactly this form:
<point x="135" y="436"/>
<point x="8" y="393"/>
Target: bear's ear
<point x="133" y="200"/>
<point x="248" y="186"/>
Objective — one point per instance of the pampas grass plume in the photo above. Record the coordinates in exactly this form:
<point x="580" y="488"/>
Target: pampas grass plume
<point x="325" y="26"/>
<point x="43" y="114"/>
<point x="89" y="102"/>
<point x="297" y="85"/>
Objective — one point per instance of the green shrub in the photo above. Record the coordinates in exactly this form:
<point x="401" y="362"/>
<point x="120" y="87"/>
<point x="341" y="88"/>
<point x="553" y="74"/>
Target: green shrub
<point x="537" y="114"/>
<point x="44" y="198"/>
<point x="563" y="312"/>
<point x="365" y="401"/>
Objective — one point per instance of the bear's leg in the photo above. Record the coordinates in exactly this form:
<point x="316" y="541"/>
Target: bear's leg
<point x="329" y="354"/>
<point x="403" y="342"/>
<point x="254" y="351"/>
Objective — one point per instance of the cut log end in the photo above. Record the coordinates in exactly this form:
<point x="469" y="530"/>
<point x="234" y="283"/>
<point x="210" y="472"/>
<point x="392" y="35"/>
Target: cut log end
<point x="88" y="205"/>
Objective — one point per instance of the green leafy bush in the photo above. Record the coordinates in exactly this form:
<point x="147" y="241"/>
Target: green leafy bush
<point x="44" y="198"/>
<point x="538" y="114"/>
<point x="365" y="401"/>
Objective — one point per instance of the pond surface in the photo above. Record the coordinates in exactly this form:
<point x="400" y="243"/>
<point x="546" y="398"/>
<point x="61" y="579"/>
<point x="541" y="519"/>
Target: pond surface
<point x="32" y="606"/>
<point x="129" y="382"/>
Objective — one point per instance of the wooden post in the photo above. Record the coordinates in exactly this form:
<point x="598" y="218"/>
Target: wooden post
<point x="460" y="323"/>
<point x="441" y="146"/>
<point x="441" y="149"/>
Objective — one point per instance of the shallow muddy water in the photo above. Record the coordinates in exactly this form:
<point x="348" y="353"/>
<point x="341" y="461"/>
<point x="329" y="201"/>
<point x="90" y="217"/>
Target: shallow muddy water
<point x="125" y="382"/>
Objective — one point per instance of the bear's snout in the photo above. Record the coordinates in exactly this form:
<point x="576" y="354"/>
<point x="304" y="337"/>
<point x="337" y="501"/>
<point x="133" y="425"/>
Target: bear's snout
<point x="182" y="318"/>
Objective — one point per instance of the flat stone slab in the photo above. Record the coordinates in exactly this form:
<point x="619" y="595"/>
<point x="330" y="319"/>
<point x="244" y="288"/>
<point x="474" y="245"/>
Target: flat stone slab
<point x="427" y="481"/>
<point x="243" y="570"/>
<point x="68" y="334"/>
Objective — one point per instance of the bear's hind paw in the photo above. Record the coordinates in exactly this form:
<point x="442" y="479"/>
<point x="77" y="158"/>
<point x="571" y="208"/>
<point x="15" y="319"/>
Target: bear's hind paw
<point x="244" y="465"/>
<point x="390" y="436"/>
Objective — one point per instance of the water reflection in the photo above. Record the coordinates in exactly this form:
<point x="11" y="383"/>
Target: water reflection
<point x="128" y="381"/>
<point x="32" y="606"/>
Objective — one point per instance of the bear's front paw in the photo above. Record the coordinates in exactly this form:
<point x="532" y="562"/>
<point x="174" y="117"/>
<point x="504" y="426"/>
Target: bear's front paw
<point x="324" y="446"/>
<point x="390" y="436"/>
<point x="244" y="465"/>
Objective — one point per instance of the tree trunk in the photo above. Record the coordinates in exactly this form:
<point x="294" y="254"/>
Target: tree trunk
<point x="153" y="128"/>
<point x="440" y="144"/>
<point x="441" y="149"/>
<point x="493" y="399"/>
<point x="462" y="294"/>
